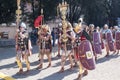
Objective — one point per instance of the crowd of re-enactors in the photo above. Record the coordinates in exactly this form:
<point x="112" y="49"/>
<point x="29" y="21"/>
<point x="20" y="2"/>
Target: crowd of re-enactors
<point x="76" y="34"/>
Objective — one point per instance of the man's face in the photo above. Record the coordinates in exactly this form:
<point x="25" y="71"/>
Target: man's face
<point x="91" y="27"/>
<point x="22" y="29"/>
<point x="115" y="27"/>
<point x="97" y="28"/>
<point x="105" y="27"/>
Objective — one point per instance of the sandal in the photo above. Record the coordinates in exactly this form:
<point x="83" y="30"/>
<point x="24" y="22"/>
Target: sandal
<point x="20" y="71"/>
<point x="75" y="65"/>
<point x="49" y="65"/>
<point x="79" y="77"/>
<point x="61" y="70"/>
<point x="85" y="73"/>
<point x="39" y="67"/>
<point x="71" y="67"/>
<point x="107" y="55"/>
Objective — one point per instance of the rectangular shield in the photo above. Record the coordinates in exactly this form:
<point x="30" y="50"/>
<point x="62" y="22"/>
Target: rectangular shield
<point x="97" y="43"/>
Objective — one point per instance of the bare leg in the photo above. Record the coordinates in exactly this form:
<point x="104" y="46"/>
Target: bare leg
<point x="49" y="57"/>
<point x="71" y="61"/>
<point x="107" y="50"/>
<point x="18" y="60"/>
<point x="95" y="56"/>
<point x="75" y="57"/>
<point x="27" y="63"/>
<point x="39" y="56"/>
<point x="114" y="48"/>
<point x="58" y="50"/>
<point x="41" y="61"/>
<point x="80" y="72"/>
<point x="19" y="65"/>
<point x="118" y="52"/>
<point x="62" y="63"/>
<point x="94" y="53"/>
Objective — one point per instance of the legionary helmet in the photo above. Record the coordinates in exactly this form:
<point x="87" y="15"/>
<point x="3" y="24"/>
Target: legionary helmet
<point x="23" y="25"/>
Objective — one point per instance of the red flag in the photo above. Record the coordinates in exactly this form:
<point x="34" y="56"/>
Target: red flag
<point x="38" y="21"/>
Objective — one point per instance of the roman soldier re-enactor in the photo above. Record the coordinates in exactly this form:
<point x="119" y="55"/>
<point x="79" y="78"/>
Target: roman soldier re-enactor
<point x="81" y="35"/>
<point x="77" y="27"/>
<point x="104" y="33"/>
<point x="91" y="30"/>
<point x="44" y="41"/>
<point x="66" y="48"/>
<point x="23" y="47"/>
<point x="59" y="33"/>
<point x="116" y="34"/>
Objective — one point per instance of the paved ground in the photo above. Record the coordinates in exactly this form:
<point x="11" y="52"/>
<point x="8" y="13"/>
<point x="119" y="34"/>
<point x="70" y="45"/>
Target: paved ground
<point x="106" y="68"/>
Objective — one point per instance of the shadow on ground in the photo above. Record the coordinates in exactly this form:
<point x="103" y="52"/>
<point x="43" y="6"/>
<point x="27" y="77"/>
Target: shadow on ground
<point x="7" y="66"/>
<point x="32" y="72"/>
<point x="60" y="76"/>
<point x="104" y="59"/>
<point x="4" y="54"/>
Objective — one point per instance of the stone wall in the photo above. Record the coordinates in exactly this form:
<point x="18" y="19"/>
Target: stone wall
<point x="10" y="30"/>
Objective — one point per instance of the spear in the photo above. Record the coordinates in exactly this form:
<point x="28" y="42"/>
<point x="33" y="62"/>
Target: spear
<point x="63" y="7"/>
<point x="18" y="13"/>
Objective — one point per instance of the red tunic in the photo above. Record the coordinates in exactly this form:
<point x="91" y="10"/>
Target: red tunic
<point x="81" y="37"/>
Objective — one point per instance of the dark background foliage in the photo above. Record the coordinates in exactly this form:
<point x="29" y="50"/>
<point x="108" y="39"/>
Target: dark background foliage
<point x="97" y="12"/>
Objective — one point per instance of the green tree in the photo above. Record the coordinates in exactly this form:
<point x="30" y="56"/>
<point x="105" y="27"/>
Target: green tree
<point x="7" y="11"/>
<point x="97" y="12"/>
